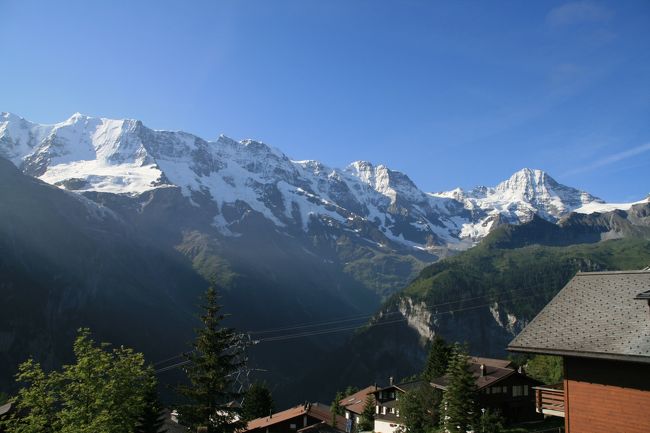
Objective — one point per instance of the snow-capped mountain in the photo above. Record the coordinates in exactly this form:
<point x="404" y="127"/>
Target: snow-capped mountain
<point x="526" y="193"/>
<point x="87" y="154"/>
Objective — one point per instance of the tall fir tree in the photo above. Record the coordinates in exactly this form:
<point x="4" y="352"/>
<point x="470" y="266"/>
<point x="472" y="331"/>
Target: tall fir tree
<point x="217" y="356"/>
<point x="458" y="409"/>
<point x="336" y="409"/>
<point x="437" y="360"/>
<point x="419" y="410"/>
<point x="152" y="418"/>
<point x="367" y="422"/>
<point x="258" y="402"/>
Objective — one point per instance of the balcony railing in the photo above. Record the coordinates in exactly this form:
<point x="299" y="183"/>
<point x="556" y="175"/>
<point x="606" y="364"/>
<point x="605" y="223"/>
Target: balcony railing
<point x="550" y="399"/>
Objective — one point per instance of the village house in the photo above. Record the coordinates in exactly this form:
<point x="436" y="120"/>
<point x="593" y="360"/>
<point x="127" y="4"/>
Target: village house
<point x="501" y="387"/>
<point x="599" y="323"/>
<point x="387" y="404"/>
<point x="296" y="419"/>
<point x="354" y="404"/>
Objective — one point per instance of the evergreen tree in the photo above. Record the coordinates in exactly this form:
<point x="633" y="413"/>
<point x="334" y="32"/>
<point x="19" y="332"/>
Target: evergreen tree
<point x="438" y="359"/>
<point x="458" y="407"/>
<point x="419" y="409"/>
<point x="152" y="418"/>
<point x="367" y="422"/>
<point x="490" y="422"/>
<point x="336" y="409"/>
<point x="258" y="402"/>
<point x="217" y="355"/>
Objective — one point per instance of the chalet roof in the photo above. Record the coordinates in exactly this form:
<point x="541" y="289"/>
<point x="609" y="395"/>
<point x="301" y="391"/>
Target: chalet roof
<point x="315" y="410"/>
<point x="356" y="402"/>
<point x="493" y="362"/>
<point x="492" y="374"/>
<point x="594" y="316"/>
<point x="404" y="387"/>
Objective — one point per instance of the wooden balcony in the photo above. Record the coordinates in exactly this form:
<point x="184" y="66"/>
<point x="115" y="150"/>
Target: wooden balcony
<point x="550" y="399"/>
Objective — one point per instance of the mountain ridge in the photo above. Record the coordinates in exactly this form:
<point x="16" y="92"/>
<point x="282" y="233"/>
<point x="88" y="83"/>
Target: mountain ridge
<point x="93" y="154"/>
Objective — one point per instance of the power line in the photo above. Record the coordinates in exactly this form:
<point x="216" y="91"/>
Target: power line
<point x="315" y="332"/>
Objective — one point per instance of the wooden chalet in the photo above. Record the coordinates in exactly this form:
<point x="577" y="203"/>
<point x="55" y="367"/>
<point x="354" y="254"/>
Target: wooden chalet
<point x="501" y="387"/>
<point x="297" y="418"/>
<point x="600" y="324"/>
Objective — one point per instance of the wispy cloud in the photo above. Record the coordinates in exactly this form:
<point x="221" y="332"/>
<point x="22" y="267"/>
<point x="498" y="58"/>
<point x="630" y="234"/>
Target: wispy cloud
<point x="610" y="159"/>
<point x="577" y="12"/>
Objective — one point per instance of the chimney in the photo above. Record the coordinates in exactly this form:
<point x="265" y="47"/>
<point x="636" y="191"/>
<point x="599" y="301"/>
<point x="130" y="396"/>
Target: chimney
<point x="390" y="381"/>
<point x="482" y="370"/>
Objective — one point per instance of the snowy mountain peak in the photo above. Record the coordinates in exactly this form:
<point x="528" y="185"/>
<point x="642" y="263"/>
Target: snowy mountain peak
<point x="238" y="178"/>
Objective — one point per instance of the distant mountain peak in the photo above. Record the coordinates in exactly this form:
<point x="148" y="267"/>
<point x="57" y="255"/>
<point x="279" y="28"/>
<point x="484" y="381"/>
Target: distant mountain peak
<point x="123" y="156"/>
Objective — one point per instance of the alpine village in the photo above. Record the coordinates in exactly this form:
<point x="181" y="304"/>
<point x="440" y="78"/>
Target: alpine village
<point x="451" y="236"/>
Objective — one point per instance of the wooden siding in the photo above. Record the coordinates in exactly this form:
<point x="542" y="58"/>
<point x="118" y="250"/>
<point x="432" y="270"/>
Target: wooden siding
<point x="606" y="396"/>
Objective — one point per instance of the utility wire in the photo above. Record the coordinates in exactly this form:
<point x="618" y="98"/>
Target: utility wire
<point x="315" y="332"/>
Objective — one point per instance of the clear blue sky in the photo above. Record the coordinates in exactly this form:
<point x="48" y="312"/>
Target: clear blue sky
<point x="453" y="93"/>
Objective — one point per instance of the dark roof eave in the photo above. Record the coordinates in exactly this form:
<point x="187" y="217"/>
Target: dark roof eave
<point x="581" y="354"/>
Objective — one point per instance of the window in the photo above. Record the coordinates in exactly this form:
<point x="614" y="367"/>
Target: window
<point x="392" y="394"/>
<point x="377" y="409"/>
<point x="496" y="390"/>
<point x="383" y="410"/>
<point x="292" y="426"/>
<point x="392" y="410"/>
<point x="517" y="390"/>
<point x="525" y="389"/>
<point x="505" y="389"/>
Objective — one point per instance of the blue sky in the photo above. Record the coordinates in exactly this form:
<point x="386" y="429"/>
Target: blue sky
<point x="452" y="93"/>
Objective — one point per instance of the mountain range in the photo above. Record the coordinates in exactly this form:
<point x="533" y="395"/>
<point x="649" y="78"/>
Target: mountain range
<point x="87" y="154"/>
<point x="105" y="219"/>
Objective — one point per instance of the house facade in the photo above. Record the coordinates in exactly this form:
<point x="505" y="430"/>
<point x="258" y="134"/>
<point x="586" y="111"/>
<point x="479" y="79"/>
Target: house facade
<point x="599" y="323"/>
<point x="387" y="418"/>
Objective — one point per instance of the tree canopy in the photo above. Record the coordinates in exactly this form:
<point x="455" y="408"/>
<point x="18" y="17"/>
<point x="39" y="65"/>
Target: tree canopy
<point x="104" y="391"/>
<point x="258" y="402"/>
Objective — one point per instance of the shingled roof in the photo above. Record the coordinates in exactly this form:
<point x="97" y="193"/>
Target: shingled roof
<point x="594" y="316"/>
<point x="315" y="410"/>
<point x="357" y="401"/>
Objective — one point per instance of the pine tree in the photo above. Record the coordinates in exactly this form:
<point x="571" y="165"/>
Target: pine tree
<point x="152" y="418"/>
<point x="336" y="409"/>
<point x="438" y="359"/>
<point x="258" y="402"/>
<point x="368" y="415"/>
<point x="216" y="357"/>
<point x="458" y="406"/>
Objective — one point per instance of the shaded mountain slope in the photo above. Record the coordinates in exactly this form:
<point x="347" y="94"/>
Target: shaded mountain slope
<point x="67" y="262"/>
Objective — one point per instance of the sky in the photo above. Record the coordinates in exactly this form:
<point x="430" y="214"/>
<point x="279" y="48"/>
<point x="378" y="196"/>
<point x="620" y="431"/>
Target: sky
<point x="457" y="93"/>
